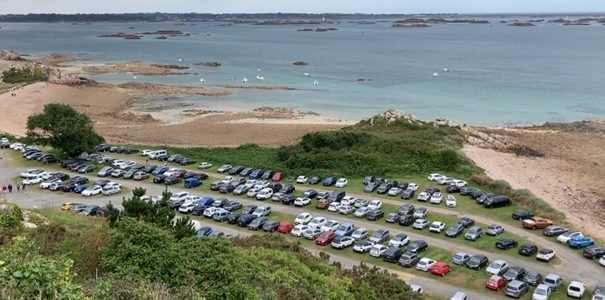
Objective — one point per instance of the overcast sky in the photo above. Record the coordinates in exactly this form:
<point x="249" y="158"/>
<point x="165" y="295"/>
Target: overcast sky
<point x="310" y="6"/>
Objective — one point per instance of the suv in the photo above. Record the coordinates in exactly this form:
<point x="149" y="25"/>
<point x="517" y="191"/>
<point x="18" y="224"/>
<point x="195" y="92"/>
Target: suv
<point x="409" y="259"/>
<point x="474" y="233"/>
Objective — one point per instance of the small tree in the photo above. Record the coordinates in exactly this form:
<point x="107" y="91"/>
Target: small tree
<point x="62" y="127"/>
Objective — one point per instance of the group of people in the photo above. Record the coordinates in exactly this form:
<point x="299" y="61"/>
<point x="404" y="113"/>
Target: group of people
<point x="8" y="188"/>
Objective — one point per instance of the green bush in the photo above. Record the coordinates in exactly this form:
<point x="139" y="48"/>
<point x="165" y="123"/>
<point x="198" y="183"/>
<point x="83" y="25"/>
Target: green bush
<point x="25" y="75"/>
<point x="11" y="216"/>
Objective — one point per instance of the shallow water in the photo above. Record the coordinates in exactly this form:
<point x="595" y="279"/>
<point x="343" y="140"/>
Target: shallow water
<point x="498" y="74"/>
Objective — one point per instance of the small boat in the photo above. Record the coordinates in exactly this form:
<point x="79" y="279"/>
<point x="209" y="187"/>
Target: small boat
<point x="435" y="74"/>
<point x="259" y="70"/>
<point x="202" y="80"/>
<point x="180" y="60"/>
<point x="316" y="82"/>
<point x="445" y="70"/>
<point x="307" y="74"/>
<point x="134" y="77"/>
<point x="232" y="78"/>
<point x="245" y="80"/>
<point x="260" y="77"/>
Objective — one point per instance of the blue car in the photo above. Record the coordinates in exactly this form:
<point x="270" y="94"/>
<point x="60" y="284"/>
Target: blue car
<point x="160" y="171"/>
<point x="580" y="242"/>
<point x="192" y="182"/>
<point x="80" y="188"/>
<point x="204" y="232"/>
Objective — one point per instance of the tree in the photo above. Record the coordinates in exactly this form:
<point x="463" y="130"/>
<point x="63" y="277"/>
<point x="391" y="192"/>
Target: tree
<point x="62" y="127"/>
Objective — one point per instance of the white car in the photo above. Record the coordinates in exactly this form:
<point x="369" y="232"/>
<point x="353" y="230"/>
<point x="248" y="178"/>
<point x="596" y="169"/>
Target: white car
<point x="264" y="194"/>
<point x="204" y="165"/>
<point x="348" y="200"/>
<point x="178" y="196"/>
<point x="317" y="222"/>
<point x="146" y="152"/>
<point x="334" y="206"/>
<point x="342" y="242"/>
<point x="330" y="225"/>
<point x="459" y="183"/>
<point x="576" y="289"/>
<point x="450" y="201"/>
<point x="46" y="184"/>
<point x="303" y="218"/>
<point x="341" y="182"/>
<point x="302" y="201"/>
<point x="399" y="240"/>
<point x="187" y="207"/>
<point x="302" y="179"/>
<point x="253" y="192"/>
<point x="209" y="212"/>
<point x="546" y="254"/>
<point x="425" y="264"/>
<point x="394" y="191"/>
<point x="436" y="198"/>
<point x="47" y="175"/>
<point x="375" y="204"/>
<point x="497" y="267"/>
<point x="262" y="211"/>
<point x="459" y="296"/>
<point x="360" y="234"/>
<point x="542" y="292"/>
<point x="363" y="246"/>
<point x="311" y="233"/>
<point x="113" y="184"/>
<point x="261" y="184"/>
<point x="565" y="237"/>
<point x="299" y="229"/>
<point x="110" y="190"/>
<point x="91" y="191"/>
<point x="420" y="224"/>
<point x="423" y="196"/>
<point x="602" y="261"/>
<point x="437" y="227"/>
<point x="30" y="173"/>
<point x="444" y="180"/>
<point x="416" y="288"/>
<point x="378" y="250"/>
<point x="361" y="212"/>
<point x="434" y="176"/>
<point x="413" y="186"/>
<point x="33" y="180"/>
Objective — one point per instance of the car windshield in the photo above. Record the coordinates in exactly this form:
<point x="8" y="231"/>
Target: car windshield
<point x="550" y="280"/>
<point x="574" y="288"/>
<point x="541" y="292"/>
<point x="496" y="265"/>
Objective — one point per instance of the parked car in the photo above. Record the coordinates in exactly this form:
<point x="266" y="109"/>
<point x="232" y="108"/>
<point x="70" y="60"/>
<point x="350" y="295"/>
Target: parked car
<point x="473" y="234"/>
<point x="317" y="222"/>
<point x="420" y="224"/>
<point x="553" y="280"/>
<point x="506" y="243"/>
<point x="532" y="278"/>
<point x="536" y="223"/>
<point x="392" y="254"/>
<point x="496" y="283"/>
<point x="380" y="235"/>
<point x="555" y="230"/>
<point x="374" y="214"/>
<point x="345" y="229"/>
<point x="454" y="230"/>
<point x="341" y="242"/>
<point x="360" y="234"/>
<point x="576" y="289"/>
<point x="516" y="289"/>
<point x="515" y="273"/>
<point x="494" y="229"/>
<point x="528" y="249"/>
<point x="593" y="252"/>
<point x="271" y="225"/>
<point x="545" y="254"/>
<point x="565" y="237"/>
<point x="408" y="194"/>
<point x="303" y="218"/>
<point x="399" y="240"/>
<point x="437" y="227"/>
<point x="542" y="292"/>
<point x="497" y="267"/>
<point x="417" y="246"/>
<point x="441" y="268"/>
<point x="477" y="262"/>
<point x="363" y="246"/>
<point x="329" y="181"/>
<point x="460" y="258"/>
<point x="285" y="227"/>
<point x="299" y="229"/>
<point x="521" y="214"/>
<point x="425" y="264"/>
<point x="421" y="213"/>
<point x="257" y="223"/>
<point x="409" y="259"/>
<point x="436" y="198"/>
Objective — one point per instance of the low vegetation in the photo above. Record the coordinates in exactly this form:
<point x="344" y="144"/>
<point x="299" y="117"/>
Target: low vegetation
<point x="25" y="75"/>
<point x="136" y="254"/>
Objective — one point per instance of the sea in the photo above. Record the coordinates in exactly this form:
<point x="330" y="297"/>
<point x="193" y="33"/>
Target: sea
<point x="479" y="74"/>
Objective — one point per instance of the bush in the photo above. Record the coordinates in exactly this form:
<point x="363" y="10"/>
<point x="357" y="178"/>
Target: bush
<point x="11" y="216"/>
<point x="25" y="75"/>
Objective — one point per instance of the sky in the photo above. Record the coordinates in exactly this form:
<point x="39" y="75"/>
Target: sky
<point x="305" y="6"/>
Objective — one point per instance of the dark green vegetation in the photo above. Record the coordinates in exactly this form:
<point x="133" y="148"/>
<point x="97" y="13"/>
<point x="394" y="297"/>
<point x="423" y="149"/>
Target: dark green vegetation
<point x="135" y="255"/>
<point x="396" y="149"/>
<point x="63" y="128"/>
<point x="25" y="75"/>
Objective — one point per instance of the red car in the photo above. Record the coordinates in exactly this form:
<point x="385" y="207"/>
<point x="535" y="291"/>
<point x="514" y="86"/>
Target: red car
<point x="277" y="176"/>
<point x="441" y="268"/>
<point x="496" y="283"/>
<point x="325" y="238"/>
<point x="285" y="227"/>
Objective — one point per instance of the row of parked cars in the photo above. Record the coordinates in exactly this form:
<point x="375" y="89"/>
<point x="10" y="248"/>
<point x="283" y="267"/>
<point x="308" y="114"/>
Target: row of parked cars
<point x="58" y="181"/>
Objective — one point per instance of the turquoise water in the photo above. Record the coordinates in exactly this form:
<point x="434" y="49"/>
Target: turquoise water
<point x="498" y="74"/>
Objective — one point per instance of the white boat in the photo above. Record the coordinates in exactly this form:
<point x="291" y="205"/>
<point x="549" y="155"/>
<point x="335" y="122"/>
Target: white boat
<point x="307" y="74"/>
<point x="180" y="60"/>
<point x="260" y="77"/>
<point x="134" y="77"/>
<point x="245" y="80"/>
<point x="435" y="74"/>
<point x="259" y="70"/>
<point x="445" y="70"/>
<point x="202" y="80"/>
<point x="316" y="82"/>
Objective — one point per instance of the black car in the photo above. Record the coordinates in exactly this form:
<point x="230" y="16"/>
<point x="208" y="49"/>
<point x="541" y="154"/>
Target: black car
<point x="314" y="180"/>
<point x="407" y="209"/>
<point x="375" y="215"/>
<point x="232" y="205"/>
<point x="528" y="249"/>
<point x="287" y="189"/>
<point x="49" y="159"/>
<point x="159" y="179"/>
<point x="275" y="186"/>
<point x="477" y="262"/>
<point x="329" y="181"/>
<point x="521" y="214"/>
<point x="384" y="188"/>
<point x="532" y="278"/>
<point x="336" y="196"/>
<point x="466" y="222"/>
<point x="409" y="259"/>
<point x="484" y="197"/>
<point x="271" y="226"/>
<point x="102" y="147"/>
<point x="249" y="209"/>
<point x="86" y="169"/>
<point x="186" y="161"/>
<point x="235" y="170"/>
<point x="171" y="180"/>
<point x="102" y="182"/>
<point x="66" y="163"/>
<point x="220" y="202"/>
<point x="432" y="190"/>
<point x="232" y="218"/>
<point x="406" y="220"/>
<point x="60" y="176"/>
<point x="245" y="219"/>
<point x="476" y="194"/>
<point x="130" y="173"/>
<point x="288" y="199"/>
<point x="216" y="185"/>
<point x="506" y="244"/>
<point x="311" y="194"/>
<point x="514" y="273"/>
<point x="392" y="254"/>
<point x="370" y="187"/>
<point x="267" y="175"/>
<point x="227" y="188"/>
<point x="555" y="230"/>
<point x="69" y="187"/>
<point x="497" y="201"/>
<point x="407" y="194"/>
<point x="392" y="218"/>
<point x="78" y="180"/>
<point x="454" y="230"/>
<point x="417" y="246"/>
<point x="256" y="223"/>
<point x="452" y="189"/>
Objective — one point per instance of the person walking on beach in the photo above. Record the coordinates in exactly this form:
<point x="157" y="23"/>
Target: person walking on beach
<point x="10" y="188"/>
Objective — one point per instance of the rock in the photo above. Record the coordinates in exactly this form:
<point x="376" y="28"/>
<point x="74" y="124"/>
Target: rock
<point x="521" y="23"/>
<point x="300" y="63"/>
<point x="10" y="54"/>
<point x="212" y="64"/>
<point x="412" y="25"/>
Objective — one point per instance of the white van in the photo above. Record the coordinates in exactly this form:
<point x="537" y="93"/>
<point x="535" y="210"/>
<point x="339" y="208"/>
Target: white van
<point x="157" y="153"/>
<point x="262" y="211"/>
<point x="110" y="190"/>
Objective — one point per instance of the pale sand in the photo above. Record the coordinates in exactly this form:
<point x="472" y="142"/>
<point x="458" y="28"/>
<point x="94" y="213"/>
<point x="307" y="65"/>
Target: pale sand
<point x="564" y="184"/>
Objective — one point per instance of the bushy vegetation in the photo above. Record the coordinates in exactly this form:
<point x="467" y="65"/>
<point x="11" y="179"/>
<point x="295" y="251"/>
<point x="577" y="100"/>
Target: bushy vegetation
<point x="142" y="257"/>
<point x="25" y="75"/>
<point x="63" y="128"/>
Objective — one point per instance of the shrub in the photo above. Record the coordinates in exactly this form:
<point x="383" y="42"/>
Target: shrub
<point x="25" y="75"/>
<point x="11" y="216"/>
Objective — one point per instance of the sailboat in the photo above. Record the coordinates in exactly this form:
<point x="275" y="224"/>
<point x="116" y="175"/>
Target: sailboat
<point x="445" y="70"/>
<point x="260" y="77"/>
<point x="435" y="74"/>
<point x="202" y="80"/>
<point x="245" y="80"/>
<point x="307" y="74"/>
<point x="316" y="82"/>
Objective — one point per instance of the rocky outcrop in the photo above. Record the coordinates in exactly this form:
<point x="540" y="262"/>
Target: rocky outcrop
<point x="126" y="36"/>
<point x="300" y="63"/>
<point x="411" y="25"/>
<point x="212" y="64"/>
<point x="10" y="54"/>
<point x="522" y="23"/>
